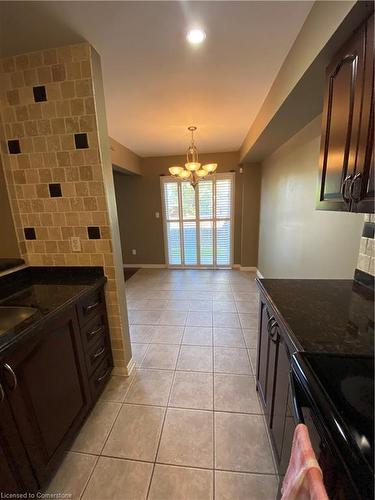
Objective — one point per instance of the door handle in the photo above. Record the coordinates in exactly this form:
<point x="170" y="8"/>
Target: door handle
<point x="9" y="369"/>
<point x="298" y="414"/>
<point x="99" y="353"/>
<point x="271" y="319"/>
<point x="92" y="306"/>
<point x="96" y="331"/>
<point x="356" y="178"/>
<point x="343" y="188"/>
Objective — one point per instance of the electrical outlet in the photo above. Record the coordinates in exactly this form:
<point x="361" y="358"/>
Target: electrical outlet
<point x="134" y="251"/>
<point x="76" y="243"/>
<point x="157" y="215"/>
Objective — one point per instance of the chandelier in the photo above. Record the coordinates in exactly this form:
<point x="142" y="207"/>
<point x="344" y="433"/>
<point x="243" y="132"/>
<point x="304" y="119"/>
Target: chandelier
<point x="193" y="170"/>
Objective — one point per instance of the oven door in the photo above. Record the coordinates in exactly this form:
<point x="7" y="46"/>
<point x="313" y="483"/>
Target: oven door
<point x="306" y="410"/>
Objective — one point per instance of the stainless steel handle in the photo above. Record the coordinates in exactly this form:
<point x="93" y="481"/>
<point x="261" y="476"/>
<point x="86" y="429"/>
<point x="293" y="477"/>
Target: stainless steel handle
<point x="99" y="353"/>
<point x="272" y="318"/>
<point x="12" y="374"/>
<point x="96" y="331"/>
<point x="92" y="306"/>
<point x="343" y="188"/>
<point x="2" y="394"/>
<point x="352" y="186"/>
<point x="99" y="379"/>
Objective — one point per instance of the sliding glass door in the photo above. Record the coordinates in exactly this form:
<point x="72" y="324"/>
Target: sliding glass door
<point x="198" y="224"/>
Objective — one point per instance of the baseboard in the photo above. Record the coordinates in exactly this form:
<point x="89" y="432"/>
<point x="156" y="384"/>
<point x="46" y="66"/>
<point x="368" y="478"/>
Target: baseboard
<point x="146" y="266"/>
<point x="259" y="274"/>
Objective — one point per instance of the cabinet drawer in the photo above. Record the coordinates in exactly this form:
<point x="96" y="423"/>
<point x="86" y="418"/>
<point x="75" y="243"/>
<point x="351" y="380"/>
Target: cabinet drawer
<point x="90" y="305"/>
<point x="100" y="377"/>
<point x="97" y="353"/>
<point x="96" y="328"/>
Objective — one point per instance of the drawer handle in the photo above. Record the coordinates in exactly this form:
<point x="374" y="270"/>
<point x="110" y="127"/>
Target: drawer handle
<point x="96" y="331"/>
<point x="12" y="374"/>
<point x="269" y="323"/>
<point x="2" y="395"/>
<point x="99" y="379"/>
<point x="92" y="306"/>
<point x="99" y="353"/>
<point x="343" y="188"/>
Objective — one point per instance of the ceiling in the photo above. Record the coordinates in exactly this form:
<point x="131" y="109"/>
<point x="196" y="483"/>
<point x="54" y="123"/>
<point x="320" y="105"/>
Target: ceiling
<point x="156" y="84"/>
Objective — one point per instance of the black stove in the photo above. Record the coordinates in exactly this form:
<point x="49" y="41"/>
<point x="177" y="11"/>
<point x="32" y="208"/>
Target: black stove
<point x="335" y="394"/>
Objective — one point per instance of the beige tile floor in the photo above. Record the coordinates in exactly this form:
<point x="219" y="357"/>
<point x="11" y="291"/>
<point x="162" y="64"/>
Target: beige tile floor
<point x="187" y="425"/>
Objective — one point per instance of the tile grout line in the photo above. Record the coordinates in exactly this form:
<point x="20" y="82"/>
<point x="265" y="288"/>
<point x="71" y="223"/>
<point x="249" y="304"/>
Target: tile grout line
<point x="162" y="426"/>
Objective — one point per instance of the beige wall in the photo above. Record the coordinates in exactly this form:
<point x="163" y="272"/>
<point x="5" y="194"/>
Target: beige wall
<point x="8" y="239"/>
<point x="139" y="197"/>
<point x="251" y="183"/>
<point x="75" y="104"/>
<point x="123" y="158"/>
<point x="297" y="241"/>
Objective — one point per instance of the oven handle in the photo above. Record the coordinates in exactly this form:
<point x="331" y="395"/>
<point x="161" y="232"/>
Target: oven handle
<point x="298" y="415"/>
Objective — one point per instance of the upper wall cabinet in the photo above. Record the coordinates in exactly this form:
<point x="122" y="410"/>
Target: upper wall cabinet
<point x="346" y="180"/>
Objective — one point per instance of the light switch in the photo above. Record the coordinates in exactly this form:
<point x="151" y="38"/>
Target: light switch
<point x="157" y="215"/>
<point x="134" y="251"/>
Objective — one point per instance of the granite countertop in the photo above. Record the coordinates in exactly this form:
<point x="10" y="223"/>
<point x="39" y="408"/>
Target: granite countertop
<point x="10" y="263"/>
<point x="48" y="290"/>
<point x="324" y="315"/>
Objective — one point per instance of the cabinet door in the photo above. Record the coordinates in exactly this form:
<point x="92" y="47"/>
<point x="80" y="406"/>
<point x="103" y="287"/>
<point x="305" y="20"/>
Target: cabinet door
<point x="16" y="475"/>
<point x="263" y="348"/>
<point x="48" y="390"/>
<point x="280" y="394"/>
<point x="362" y="189"/>
<point x="340" y="127"/>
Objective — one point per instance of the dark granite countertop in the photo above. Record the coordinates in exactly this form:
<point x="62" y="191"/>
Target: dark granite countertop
<point x="10" y="263"/>
<point x="46" y="289"/>
<point x="324" y="315"/>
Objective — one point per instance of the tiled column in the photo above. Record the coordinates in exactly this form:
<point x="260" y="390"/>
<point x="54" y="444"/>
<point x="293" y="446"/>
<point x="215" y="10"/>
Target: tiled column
<point x="56" y="159"/>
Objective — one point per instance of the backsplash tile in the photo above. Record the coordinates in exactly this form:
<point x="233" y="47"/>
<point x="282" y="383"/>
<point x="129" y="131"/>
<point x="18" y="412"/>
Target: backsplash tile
<point x="366" y="256"/>
<point x="14" y="147"/>
<point x="29" y="233"/>
<point x="40" y="93"/>
<point x="81" y="141"/>
<point x="94" y="232"/>
<point x="56" y="190"/>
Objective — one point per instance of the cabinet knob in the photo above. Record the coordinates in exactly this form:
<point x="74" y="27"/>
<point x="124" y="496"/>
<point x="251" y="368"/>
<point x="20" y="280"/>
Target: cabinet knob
<point x="9" y="369"/>
<point x="347" y="179"/>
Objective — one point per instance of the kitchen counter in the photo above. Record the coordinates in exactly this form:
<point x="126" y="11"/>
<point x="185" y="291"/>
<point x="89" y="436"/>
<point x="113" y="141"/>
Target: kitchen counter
<point x="48" y="290"/>
<point x="10" y="263"/>
<point x="324" y="315"/>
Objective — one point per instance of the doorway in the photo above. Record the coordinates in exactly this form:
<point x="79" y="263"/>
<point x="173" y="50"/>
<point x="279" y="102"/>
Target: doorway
<point x="198" y="223"/>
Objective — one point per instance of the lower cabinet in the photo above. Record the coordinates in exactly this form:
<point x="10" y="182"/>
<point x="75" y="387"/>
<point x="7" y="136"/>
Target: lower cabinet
<point x="48" y="390"/>
<point x="273" y="369"/>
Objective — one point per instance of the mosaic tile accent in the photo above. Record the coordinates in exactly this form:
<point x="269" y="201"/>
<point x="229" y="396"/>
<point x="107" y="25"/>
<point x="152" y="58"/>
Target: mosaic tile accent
<point x="47" y="132"/>
<point x="40" y="93"/>
<point x="93" y="232"/>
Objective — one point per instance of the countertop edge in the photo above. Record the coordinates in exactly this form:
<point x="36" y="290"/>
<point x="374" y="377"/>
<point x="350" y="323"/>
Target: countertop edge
<point x="293" y="339"/>
<point x="28" y="332"/>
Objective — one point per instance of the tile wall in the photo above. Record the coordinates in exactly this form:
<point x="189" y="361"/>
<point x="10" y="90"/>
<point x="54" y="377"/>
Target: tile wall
<point x="366" y="257"/>
<point x="53" y="166"/>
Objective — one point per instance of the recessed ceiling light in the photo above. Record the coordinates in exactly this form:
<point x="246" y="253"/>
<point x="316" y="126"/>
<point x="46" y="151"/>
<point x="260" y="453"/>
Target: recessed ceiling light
<point x="195" y="36"/>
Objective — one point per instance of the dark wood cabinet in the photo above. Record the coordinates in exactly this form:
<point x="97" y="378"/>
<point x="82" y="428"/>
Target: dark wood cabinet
<point x="48" y="390"/>
<point x="346" y="154"/>
<point x="51" y="381"/>
<point x="273" y="369"/>
<point x="16" y="474"/>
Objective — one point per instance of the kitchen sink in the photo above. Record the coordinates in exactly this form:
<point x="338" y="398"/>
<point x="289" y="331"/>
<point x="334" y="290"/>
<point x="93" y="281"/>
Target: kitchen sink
<point x="13" y="316"/>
